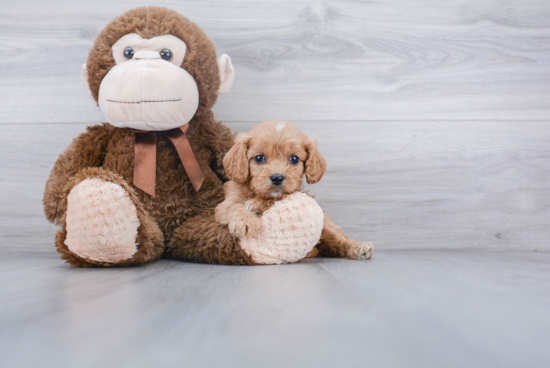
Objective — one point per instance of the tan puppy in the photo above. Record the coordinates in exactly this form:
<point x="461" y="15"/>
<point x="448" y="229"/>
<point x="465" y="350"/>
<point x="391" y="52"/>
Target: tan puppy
<point x="264" y="166"/>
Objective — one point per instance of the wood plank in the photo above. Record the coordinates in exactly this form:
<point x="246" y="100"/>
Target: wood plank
<point x="401" y="185"/>
<point x="400" y="309"/>
<point x="305" y="59"/>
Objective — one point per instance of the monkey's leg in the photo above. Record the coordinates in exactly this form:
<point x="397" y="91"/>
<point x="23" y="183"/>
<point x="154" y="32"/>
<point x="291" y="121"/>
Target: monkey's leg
<point x="202" y="239"/>
<point x="105" y="224"/>
<point x="334" y="243"/>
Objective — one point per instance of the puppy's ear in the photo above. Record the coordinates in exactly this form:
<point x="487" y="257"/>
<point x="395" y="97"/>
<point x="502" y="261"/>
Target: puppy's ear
<point x="235" y="161"/>
<point x="316" y="164"/>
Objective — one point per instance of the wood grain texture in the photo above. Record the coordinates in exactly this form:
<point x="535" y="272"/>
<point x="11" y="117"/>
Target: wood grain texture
<point x="400" y="309"/>
<point x="401" y="185"/>
<point x="305" y="59"/>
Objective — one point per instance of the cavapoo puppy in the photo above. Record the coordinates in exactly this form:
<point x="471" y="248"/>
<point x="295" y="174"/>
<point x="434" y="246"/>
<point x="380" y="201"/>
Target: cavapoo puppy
<point x="264" y="166"/>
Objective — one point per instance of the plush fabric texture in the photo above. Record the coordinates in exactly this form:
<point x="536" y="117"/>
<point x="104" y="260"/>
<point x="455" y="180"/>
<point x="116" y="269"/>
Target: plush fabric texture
<point x="111" y="151"/>
<point x="102" y="222"/>
<point x="107" y="153"/>
<point x="148" y="93"/>
<point x="152" y="21"/>
<point x="149" y="241"/>
<point x="202" y="239"/>
<point x="227" y="73"/>
<point x="290" y="230"/>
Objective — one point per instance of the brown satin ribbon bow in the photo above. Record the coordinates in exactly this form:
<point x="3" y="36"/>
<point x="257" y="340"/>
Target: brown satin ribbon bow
<point x="145" y="161"/>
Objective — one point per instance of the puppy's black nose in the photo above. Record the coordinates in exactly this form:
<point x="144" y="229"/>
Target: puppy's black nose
<point x="277" y="179"/>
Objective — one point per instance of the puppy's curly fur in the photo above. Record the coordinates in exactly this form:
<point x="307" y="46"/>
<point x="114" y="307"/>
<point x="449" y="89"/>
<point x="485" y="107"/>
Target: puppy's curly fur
<point x="267" y="164"/>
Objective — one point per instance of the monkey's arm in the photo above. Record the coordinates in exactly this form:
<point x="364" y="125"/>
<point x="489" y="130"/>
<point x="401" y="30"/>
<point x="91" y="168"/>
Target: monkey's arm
<point x="221" y="140"/>
<point x="86" y="150"/>
<point x="212" y="237"/>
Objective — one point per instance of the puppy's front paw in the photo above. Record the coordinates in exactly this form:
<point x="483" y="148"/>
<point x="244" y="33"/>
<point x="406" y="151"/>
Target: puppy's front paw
<point x="258" y="205"/>
<point x="359" y="250"/>
<point x="245" y="225"/>
<point x="253" y="205"/>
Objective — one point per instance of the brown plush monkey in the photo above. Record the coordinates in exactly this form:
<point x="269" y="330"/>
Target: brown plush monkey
<point x="145" y="185"/>
<point x="150" y="70"/>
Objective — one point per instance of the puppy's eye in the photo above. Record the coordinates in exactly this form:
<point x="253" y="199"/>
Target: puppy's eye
<point x="260" y="159"/>
<point x="128" y="53"/>
<point x="166" y="54"/>
<point x="294" y="160"/>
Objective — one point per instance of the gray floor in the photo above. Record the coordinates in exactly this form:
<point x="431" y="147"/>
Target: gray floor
<point x="409" y="308"/>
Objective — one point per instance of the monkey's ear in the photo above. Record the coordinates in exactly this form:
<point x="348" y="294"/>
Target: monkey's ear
<point x="316" y="164"/>
<point x="227" y="73"/>
<point x="84" y="78"/>
<point x="235" y="161"/>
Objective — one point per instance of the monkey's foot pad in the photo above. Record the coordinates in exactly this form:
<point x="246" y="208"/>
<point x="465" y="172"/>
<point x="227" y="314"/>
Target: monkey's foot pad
<point x="290" y="230"/>
<point x="102" y="222"/>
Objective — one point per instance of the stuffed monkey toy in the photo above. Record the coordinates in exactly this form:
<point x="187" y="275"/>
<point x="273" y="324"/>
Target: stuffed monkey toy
<point x="145" y="184"/>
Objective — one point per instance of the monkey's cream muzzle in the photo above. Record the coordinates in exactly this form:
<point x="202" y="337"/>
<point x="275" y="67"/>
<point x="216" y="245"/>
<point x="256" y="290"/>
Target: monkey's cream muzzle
<point x="148" y="93"/>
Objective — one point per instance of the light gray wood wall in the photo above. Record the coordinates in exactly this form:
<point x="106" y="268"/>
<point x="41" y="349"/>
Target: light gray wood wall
<point x="433" y="116"/>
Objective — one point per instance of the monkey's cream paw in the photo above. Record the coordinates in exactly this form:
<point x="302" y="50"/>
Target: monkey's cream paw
<point x="247" y="224"/>
<point x="359" y="250"/>
<point x="290" y="230"/>
<point x="102" y="222"/>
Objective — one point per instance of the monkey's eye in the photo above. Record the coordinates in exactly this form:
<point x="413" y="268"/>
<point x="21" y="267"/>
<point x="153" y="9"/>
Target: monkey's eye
<point x="128" y="53"/>
<point x="260" y="159"/>
<point x="294" y="160"/>
<point x="166" y="54"/>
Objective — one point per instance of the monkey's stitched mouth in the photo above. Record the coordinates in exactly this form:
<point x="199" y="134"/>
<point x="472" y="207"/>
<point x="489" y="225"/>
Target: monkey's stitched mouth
<point x="138" y="102"/>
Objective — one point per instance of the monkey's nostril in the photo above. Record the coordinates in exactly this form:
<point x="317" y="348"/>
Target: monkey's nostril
<point x="277" y="179"/>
